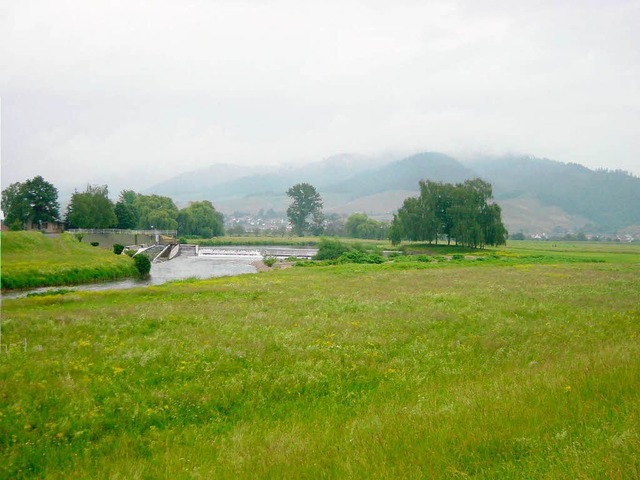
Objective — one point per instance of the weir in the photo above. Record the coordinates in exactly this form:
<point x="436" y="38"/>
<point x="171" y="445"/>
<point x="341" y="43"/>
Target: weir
<point x="160" y="252"/>
<point x="279" y="252"/>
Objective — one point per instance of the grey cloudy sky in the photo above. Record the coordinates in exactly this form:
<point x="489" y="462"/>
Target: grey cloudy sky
<point x="129" y="92"/>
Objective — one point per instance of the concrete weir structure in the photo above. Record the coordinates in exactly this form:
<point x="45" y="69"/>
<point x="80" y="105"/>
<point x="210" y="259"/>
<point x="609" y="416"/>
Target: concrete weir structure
<point x="110" y="236"/>
<point x="279" y="252"/>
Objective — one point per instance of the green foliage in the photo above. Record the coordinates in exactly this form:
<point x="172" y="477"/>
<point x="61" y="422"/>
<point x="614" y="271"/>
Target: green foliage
<point x="357" y="256"/>
<point x="78" y="236"/>
<point x="305" y="212"/>
<point x="91" y="209"/>
<point x="143" y="265"/>
<point x="156" y="211"/>
<point x="269" y="261"/>
<point x="359" y="225"/>
<point x="117" y="248"/>
<point x="201" y="219"/>
<point x="95" y="244"/>
<point x="331" y="249"/>
<point x="126" y="212"/>
<point x="29" y="203"/>
<point x="458" y="212"/>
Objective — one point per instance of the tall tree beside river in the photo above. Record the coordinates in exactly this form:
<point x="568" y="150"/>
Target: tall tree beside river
<point x="305" y="211"/>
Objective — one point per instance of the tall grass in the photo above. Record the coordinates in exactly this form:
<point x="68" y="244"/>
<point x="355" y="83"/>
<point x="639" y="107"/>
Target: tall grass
<point x="31" y="259"/>
<point x="344" y="371"/>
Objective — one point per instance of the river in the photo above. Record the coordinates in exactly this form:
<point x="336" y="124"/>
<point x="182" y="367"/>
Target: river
<point x="180" y="268"/>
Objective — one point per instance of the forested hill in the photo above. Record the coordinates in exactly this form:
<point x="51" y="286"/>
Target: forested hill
<point x="609" y="199"/>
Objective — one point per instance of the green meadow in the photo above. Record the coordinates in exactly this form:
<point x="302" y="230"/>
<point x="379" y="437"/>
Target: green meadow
<point x="31" y="259"/>
<point x="525" y="364"/>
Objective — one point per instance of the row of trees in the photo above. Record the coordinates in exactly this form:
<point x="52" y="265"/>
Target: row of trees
<point x="28" y="204"/>
<point x="93" y="209"/>
<point x="460" y="212"/>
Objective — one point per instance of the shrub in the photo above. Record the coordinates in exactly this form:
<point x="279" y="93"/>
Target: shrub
<point x="79" y="236"/>
<point x="330" y="249"/>
<point x="356" y="256"/>
<point x="423" y="258"/>
<point x="95" y="244"/>
<point x="130" y="252"/>
<point x="117" y="248"/>
<point x="143" y="264"/>
<point x="457" y="256"/>
<point x="269" y="261"/>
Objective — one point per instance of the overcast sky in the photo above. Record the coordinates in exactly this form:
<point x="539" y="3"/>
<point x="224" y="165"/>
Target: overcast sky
<point x="129" y="92"/>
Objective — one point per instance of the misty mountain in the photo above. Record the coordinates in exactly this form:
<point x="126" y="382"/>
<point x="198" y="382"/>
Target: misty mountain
<point x="536" y="195"/>
<point x="404" y="175"/>
<point x="199" y="183"/>
<point x="207" y="184"/>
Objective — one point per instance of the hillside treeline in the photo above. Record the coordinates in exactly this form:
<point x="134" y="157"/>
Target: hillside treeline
<point x="461" y="212"/>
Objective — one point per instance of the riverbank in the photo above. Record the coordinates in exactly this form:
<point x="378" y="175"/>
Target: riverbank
<point x="180" y="268"/>
<point x="260" y="266"/>
<point x="31" y="260"/>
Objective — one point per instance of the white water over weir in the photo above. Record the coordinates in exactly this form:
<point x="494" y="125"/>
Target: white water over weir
<point x="256" y="252"/>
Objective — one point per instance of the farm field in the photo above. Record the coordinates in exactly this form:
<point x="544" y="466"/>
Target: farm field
<point x="523" y="365"/>
<point x="30" y="259"/>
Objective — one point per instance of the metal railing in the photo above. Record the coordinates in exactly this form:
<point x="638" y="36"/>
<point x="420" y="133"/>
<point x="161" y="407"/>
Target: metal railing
<point x="171" y="233"/>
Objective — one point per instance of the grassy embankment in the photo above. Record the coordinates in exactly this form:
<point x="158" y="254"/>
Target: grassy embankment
<point x="423" y="370"/>
<point x="30" y="259"/>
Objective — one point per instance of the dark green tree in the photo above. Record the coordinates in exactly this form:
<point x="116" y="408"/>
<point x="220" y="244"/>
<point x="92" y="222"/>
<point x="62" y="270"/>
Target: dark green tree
<point x="305" y="211"/>
<point x="14" y="207"/>
<point x="125" y="210"/>
<point x="461" y="212"/>
<point x="91" y="209"/>
<point x="156" y="211"/>
<point x="359" y="225"/>
<point x="201" y="219"/>
<point x="30" y="203"/>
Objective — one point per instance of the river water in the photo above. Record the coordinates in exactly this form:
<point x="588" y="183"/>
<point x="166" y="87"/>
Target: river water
<point x="180" y="268"/>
